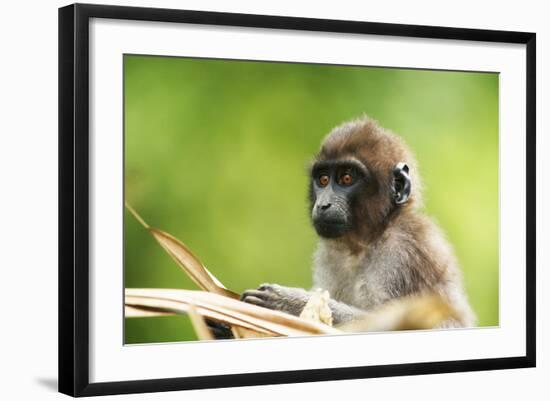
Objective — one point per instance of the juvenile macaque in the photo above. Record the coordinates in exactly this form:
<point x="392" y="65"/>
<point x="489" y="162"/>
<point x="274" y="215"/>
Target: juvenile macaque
<point x="374" y="244"/>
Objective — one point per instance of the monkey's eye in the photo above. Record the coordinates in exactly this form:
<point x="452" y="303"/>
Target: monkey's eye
<point x="323" y="180"/>
<point x="345" y="179"/>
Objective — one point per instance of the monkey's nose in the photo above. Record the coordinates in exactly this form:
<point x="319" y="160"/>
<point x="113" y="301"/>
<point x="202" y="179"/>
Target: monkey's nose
<point x="325" y="206"/>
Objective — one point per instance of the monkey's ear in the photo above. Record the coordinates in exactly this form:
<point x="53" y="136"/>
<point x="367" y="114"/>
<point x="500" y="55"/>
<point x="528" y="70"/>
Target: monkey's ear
<point x="401" y="183"/>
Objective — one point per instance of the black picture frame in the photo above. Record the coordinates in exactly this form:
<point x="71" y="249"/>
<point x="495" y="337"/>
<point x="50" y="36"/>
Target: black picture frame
<point x="74" y="198"/>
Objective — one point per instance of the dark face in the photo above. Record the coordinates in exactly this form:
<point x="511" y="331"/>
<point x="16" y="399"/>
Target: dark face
<point x="334" y="187"/>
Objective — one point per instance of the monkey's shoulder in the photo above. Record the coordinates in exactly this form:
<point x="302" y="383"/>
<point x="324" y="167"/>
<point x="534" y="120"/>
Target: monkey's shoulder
<point x="422" y="250"/>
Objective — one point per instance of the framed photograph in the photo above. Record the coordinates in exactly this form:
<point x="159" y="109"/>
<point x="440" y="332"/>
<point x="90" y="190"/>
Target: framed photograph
<point x="251" y="199"/>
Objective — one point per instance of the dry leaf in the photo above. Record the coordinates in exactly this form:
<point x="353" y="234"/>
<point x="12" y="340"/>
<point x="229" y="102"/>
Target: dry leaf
<point x="130" y="311"/>
<point x="226" y="310"/>
<point x="408" y="313"/>
<point x="186" y="260"/>
<point x="242" y="332"/>
<point x="201" y="329"/>
<point x="190" y="264"/>
<point x="161" y="305"/>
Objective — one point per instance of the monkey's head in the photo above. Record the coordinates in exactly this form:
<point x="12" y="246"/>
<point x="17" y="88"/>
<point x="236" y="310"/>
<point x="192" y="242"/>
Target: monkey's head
<point x="361" y="179"/>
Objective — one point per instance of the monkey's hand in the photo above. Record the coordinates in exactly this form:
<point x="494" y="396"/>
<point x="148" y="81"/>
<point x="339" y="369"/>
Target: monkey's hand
<point x="276" y="297"/>
<point x="220" y="331"/>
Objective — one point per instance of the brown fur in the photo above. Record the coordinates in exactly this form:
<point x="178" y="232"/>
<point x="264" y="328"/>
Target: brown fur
<point x="391" y="251"/>
<point x="397" y="248"/>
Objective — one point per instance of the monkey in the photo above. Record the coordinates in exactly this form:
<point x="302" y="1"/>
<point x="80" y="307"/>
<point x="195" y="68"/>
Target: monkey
<point x="375" y="244"/>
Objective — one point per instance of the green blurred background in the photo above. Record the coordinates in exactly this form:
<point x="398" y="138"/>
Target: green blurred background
<point x="216" y="155"/>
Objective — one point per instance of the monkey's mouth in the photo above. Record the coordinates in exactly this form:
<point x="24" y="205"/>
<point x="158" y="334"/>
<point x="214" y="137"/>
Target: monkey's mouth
<point x="330" y="228"/>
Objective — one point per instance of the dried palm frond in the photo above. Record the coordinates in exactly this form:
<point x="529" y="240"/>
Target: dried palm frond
<point x="419" y="312"/>
<point x="185" y="259"/>
<point x="222" y="309"/>
<point x="199" y="324"/>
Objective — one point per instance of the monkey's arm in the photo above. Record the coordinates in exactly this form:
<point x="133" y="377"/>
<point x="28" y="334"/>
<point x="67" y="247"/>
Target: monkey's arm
<point x="292" y="301"/>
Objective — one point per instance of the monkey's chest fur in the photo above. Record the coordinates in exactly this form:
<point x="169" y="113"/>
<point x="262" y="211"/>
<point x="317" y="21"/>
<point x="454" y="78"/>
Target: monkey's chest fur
<point x="363" y="279"/>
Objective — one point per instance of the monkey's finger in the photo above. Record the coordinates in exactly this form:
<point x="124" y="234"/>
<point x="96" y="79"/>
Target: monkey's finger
<point x="254" y="301"/>
<point x="256" y="294"/>
<point x="220" y="331"/>
<point x="267" y="287"/>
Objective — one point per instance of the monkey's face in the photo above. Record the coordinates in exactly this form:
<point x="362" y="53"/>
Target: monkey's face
<point x="359" y="181"/>
<point x="334" y="186"/>
<point x="346" y="196"/>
